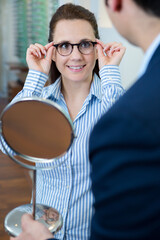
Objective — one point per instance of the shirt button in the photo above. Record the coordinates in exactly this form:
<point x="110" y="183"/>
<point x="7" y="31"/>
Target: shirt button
<point x="67" y="186"/>
<point x="110" y="78"/>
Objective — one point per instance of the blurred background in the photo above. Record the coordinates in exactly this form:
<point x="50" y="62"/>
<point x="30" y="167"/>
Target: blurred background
<point x="22" y="22"/>
<point x="26" y="21"/>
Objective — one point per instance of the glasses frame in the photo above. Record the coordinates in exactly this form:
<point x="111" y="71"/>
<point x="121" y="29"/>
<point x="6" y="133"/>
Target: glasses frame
<point x="72" y="45"/>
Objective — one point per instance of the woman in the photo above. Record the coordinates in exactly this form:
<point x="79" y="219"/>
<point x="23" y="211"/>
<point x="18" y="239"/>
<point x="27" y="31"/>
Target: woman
<point x="70" y="58"/>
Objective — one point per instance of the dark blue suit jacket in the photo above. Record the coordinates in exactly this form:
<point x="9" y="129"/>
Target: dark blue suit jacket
<point x="125" y="158"/>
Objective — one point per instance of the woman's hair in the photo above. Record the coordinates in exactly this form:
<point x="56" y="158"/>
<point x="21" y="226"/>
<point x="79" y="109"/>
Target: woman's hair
<point x="70" y="11"/>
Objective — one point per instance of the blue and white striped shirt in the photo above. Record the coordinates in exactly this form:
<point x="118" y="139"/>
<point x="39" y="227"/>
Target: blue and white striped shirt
<point x="67" y="187"/>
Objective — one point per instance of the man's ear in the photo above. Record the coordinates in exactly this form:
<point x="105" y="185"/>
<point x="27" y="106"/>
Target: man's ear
<point x="115" y="5"/>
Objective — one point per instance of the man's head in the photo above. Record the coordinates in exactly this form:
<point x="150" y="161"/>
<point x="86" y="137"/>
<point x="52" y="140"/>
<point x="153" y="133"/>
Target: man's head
<point x="149" y="6"/>
<point x="136" y="20"/>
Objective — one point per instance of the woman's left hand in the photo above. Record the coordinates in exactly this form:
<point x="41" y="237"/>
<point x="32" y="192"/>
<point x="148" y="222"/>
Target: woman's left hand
<point x="109" y="54"/>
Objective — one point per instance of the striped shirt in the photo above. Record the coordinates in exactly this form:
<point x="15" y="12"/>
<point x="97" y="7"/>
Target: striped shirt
<point x="67" y="186"/>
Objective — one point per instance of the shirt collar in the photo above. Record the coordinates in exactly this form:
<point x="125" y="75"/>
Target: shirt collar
<point x="148" y="55"/>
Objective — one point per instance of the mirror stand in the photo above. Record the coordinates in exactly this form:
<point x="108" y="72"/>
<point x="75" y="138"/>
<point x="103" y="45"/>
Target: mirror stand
<point x="47" y="215"/>
<point x="38" y="131"/>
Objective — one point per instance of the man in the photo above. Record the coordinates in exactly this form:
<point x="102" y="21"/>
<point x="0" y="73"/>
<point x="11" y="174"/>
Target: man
<point x="125" y="144"/>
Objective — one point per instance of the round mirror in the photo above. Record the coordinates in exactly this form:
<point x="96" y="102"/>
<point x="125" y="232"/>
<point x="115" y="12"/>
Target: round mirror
<point x="36" y="128"/>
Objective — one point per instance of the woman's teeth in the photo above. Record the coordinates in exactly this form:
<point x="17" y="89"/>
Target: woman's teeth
<point x="76" y="68"/>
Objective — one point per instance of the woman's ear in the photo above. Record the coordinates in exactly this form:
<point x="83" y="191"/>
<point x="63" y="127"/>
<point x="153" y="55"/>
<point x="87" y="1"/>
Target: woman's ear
<point x="54" y="55"/>
<point x="96" y="53"/>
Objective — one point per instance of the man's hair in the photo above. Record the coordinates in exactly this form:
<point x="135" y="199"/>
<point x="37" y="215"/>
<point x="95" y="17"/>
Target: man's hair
<point x="150" y="6"/>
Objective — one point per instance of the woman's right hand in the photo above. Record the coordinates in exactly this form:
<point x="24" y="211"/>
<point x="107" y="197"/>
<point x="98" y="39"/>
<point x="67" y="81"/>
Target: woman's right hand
<point x="39" y="57"/>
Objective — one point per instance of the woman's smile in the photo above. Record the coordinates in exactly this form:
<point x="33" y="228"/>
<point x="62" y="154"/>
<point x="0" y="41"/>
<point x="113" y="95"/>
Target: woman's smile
<point x="76" y="68"/>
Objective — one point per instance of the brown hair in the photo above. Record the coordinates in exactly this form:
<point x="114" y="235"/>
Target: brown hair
<point x="70" y="11"/>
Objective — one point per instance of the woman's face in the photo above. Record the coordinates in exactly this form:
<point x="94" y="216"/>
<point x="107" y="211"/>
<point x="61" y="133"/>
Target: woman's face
<point x="75" y="67"/>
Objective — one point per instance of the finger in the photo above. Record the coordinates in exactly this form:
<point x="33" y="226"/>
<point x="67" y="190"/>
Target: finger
<point x="118" y="49"/>
<point x="115" y="48"/>
<point x="49" y="53"/>
<point x="27" y="219"/>
<point x="41" y="47"/>
<point x="107" y="47"/>
<point x="100" y="42"/>
<point x="47" y="46"/>
<point x="100" y="51"/>
<point x="110" y="46"/>
<point x="37" y="49"/>
<point x="32" y="52"/>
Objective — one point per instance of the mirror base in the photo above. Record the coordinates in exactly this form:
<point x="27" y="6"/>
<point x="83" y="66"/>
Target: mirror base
<point x="48" y="216"/>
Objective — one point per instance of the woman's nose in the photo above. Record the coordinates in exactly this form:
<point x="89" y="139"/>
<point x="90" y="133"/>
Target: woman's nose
<point x="76" y="53"/>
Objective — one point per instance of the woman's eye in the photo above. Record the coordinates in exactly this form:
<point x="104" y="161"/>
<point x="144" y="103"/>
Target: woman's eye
<point x="64" y="46"/>
<point x="85" y="44"/>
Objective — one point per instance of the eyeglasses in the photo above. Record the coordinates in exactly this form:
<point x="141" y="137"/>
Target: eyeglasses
<point x="66" y="48"/>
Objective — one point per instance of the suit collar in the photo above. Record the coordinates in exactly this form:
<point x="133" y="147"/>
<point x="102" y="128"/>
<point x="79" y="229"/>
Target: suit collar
<point x="149" y="55"/>
<point x="154" y="59"/>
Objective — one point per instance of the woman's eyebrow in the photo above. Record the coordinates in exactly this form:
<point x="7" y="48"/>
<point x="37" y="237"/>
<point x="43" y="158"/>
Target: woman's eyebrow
<point x="63" y="41"/>
<point x="85" y="39"/>
<point x="66" y="41"/>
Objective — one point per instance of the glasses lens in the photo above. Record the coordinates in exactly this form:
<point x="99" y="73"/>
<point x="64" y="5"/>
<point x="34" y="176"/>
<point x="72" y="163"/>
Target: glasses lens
<point x="86" y="47"/>
<point x="64" y="49"/>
